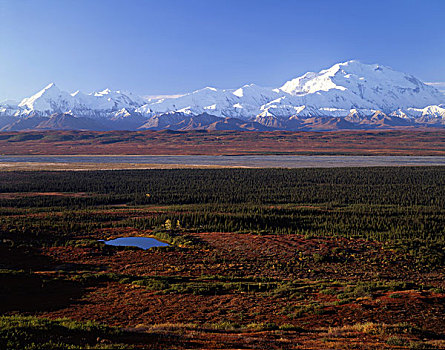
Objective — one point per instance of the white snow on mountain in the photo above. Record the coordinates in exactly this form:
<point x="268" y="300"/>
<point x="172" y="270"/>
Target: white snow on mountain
<point x="350" y="89"/>
<point x="354" y="84"/>
<point x="331" y="92"/>
<point x="53" y="100"/>
<point x="50" y="99"/>
<point x="244" y="102"/>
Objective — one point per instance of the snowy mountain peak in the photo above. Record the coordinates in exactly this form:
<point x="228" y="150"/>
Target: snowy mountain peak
<point x="50" y="86"/>
<point x="53" y="100"/>
<point x="50" y="97"/>
<point x="354" y="84"/>
<point x="103" y="92"/>
<point x="50" y="89"/>
<point x="249" y="88"/>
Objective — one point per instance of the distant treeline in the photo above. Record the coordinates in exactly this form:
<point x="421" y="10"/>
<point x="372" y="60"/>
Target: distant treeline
<point x="403" y="186"/>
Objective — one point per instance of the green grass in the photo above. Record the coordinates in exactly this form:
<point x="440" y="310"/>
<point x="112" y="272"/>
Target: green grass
<point x="32" y="333"/>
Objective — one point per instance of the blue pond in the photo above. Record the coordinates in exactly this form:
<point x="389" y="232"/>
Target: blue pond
<point x="140" y="242"/>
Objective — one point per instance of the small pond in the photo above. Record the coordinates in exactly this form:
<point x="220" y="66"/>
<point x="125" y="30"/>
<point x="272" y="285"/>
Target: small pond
<point x="140" y="242"/>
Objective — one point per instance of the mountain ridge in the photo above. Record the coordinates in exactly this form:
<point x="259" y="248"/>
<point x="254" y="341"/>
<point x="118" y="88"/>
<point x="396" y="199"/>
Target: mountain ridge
<point x="354" y="92"/>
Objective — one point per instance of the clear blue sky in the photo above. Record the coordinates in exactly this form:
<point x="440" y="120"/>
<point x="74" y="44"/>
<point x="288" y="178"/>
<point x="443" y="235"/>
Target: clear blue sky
<point x="175" y="46"/>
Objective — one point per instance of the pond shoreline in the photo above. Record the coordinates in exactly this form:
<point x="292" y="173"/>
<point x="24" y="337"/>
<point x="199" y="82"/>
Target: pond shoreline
<point x="136" y="241"/>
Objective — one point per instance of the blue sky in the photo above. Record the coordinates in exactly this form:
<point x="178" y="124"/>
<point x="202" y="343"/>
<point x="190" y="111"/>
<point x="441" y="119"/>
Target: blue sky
<point x="175" y="46"/>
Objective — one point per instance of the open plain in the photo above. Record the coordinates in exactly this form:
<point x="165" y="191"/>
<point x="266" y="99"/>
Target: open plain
<point x="411" y="142"/>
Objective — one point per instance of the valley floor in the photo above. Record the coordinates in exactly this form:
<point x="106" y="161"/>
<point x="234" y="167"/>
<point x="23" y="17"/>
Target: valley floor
<point x="329" y="259"/>
<point x="420" y="142"/>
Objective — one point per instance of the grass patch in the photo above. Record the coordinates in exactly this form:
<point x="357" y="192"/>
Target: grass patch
<point x="29" y="333"/>
<point x="365" y="289"/>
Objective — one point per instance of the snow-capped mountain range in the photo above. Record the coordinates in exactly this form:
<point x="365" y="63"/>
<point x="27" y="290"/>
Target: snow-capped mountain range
<point x="348" y="95"/>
